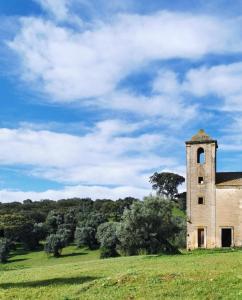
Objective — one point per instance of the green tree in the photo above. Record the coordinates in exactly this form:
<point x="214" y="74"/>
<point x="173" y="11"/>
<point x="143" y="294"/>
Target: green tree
<point x="86" y="236"/>
<point x="54" y="244"/>
<point x="147" y="227"/>
<point x="19" y="228"/>
<point x="4" y="250"/>
<point x="166" y="183"/>
<point x="53" y="220"/>
<point x="108" y="239"/>
<point x="65" y="230"/>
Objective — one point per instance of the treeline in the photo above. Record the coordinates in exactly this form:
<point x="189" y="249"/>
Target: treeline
<point x="38" y="210"/>
<point x="123" y="227"/>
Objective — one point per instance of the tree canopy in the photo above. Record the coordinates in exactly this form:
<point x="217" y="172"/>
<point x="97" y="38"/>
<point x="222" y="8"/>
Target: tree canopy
<point x="166" y="184"/>
<point x="147" y="227"/>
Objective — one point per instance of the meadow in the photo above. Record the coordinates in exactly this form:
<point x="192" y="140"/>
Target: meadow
<point x="80" y="274"/>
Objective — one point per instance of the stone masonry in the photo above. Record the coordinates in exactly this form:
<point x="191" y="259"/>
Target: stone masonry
<point x="214" y="200"/>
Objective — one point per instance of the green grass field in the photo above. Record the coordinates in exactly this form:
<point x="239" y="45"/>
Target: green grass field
<point x="80" y="274"/>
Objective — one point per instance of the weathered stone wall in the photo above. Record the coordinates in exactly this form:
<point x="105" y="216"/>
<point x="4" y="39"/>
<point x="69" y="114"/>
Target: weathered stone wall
<point x="201" y="215"/>
<point x="229" y="213"/>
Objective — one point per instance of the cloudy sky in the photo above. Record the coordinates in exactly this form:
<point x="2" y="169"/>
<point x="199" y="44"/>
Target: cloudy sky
<point x="97" y="95"/>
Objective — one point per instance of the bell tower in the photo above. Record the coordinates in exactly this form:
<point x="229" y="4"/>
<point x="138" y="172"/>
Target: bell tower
<point x="201" y="191"/>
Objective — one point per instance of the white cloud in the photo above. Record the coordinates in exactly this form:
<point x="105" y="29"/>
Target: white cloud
<point x="94" y="192"/>
<point x="58" y="8"/>
<point x="166" y="82"/>
<point x="170" y="108"/>
<point x="67" y="65"/>
<point x="224" y="81"/>
<point x="231" y="139"/>
<point x="112" y="153"/>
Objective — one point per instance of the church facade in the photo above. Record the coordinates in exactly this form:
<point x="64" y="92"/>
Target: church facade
<point x="214" y="199"/>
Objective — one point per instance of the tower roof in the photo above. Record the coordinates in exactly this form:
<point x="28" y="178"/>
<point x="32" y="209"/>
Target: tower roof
<point x="201" y="137"/>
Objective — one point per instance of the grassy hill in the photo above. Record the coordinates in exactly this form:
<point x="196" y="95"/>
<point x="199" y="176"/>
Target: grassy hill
<point x="80" y="274"/>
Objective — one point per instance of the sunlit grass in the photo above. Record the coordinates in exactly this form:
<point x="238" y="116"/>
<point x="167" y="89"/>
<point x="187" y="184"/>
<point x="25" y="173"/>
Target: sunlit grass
<point x="80" y="274"/>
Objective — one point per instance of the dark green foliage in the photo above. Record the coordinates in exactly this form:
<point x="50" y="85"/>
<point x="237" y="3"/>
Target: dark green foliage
<point x="86" y="236"/>
<point x="69" y="226"/>
<point x="108" y="239"/>
<point x="54" y="244"/>
<point x="66" y="219"/>
<point x="179" y="239"/>
<point x="106" y="252"/>
<point x="122" y="204"/>
<point x="182" y="201"/>
<point x="92" y="220"/>
<point x="40" y="230"/>
<point x="65" y="230"/>
<point x="53" y="220"/>
<point x="147" y="227"/>
<point x="166" y="184"/>
<point x="19" y="228"/>
<point x="32" y="221"/>
<point x="28" y="237"/>
<point x="4" y="250"/>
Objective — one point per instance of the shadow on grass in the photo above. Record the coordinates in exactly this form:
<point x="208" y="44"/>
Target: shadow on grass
<point x="16" y="260"/>
<point x="23" y="251"/>
<point x="72" y="254"/>
<point x="46" y="282"/>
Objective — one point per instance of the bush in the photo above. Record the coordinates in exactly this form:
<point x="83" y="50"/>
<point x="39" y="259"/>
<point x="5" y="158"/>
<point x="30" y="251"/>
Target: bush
<point x="4" y="250"/>
<point x="107" y="237"/>
<point x="106" y="252"/>
<point x="86" y="236"/>
<point x="148" y="226"/>
<point x="54" y="244"/>
<point x="179" y="239"/>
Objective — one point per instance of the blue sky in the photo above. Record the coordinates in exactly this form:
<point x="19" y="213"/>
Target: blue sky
<point x="98" y="95"/>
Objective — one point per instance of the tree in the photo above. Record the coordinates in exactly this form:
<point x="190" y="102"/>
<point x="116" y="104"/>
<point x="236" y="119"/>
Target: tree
<point x="40" y="230"/>
<point x="54" y="244"/>
<point x="53" y="220"/>
<point x="4" y="250"/>
<point x="108" y="239"/>
<point x="86" y="236"/>
<point x="147" y="227"/>
<point x="19" y="228"/>
<point x="166" y="184"/>
<point x="182" y="200"/>
<point x="93" y="220"/>
<point x="66" y="231"/>
<point x="122" y="204"/>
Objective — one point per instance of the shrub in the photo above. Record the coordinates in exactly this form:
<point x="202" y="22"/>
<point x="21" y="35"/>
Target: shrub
<point x="107" y="237"/>
<point x="179" y="239"/>
<point x="54" y="244"/>
<point x="106" y="252"/>
<point x="86" y="236"/>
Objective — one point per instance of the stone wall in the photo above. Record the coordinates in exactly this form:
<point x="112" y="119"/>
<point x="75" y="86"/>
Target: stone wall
<point x="229" y="213"/>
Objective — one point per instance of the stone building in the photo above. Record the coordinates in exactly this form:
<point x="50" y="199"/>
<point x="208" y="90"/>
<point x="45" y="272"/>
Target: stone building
<point x="214" y="199"/>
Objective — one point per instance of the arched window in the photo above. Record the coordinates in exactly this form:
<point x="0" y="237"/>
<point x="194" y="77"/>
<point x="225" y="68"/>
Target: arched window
<point x="200" y="156"/>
